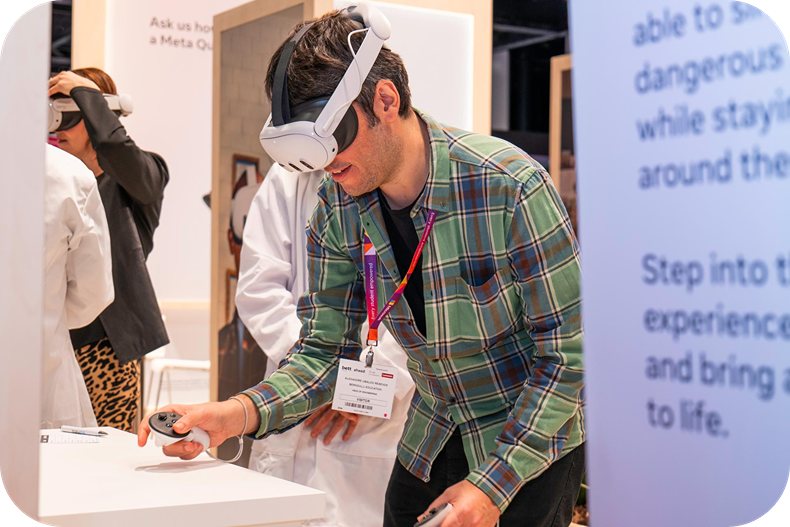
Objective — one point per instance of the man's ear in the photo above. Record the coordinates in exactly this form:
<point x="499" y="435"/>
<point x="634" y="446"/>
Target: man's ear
<point x="386" y="101"/>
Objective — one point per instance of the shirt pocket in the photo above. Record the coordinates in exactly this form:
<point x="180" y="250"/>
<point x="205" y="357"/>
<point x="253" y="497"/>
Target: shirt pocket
<point x="486" y="313"/>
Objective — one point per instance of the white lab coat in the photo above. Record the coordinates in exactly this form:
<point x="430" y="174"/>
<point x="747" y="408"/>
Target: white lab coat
<point x="273" y="274"/>
<point x="77" y="283"/>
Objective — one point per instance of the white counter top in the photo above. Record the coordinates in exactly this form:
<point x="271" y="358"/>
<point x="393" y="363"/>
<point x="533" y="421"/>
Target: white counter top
<point x="114" y="482"/>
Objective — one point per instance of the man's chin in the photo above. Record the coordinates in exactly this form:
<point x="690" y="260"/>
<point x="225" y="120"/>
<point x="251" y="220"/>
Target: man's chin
<point x="352" y="190"/>
<point x="357" y="183"/>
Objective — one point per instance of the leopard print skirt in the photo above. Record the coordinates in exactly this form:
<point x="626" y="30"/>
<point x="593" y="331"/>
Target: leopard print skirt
<point x="114" y="388"/>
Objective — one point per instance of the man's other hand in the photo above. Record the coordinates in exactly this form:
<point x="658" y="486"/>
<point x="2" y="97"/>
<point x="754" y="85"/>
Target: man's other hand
<point x="471" y="507"/>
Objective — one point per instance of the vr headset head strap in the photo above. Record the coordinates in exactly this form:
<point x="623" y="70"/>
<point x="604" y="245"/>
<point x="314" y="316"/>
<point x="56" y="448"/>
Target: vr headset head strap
<point x="378" y="30"/>
<point x="281" y="108"/>
<point x="64" y="113"/>
<point x="311" y="134"/>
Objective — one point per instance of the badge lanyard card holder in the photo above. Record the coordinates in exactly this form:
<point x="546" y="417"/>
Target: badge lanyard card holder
<point x="371" y="289"/>
<point x="370" y="390"/>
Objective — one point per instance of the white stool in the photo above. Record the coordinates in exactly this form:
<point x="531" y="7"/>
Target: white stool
<point x="162" y="365"/>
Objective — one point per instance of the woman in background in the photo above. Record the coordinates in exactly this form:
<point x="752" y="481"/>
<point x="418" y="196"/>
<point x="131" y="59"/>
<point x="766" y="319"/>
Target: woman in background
<point x="131" y="183"/>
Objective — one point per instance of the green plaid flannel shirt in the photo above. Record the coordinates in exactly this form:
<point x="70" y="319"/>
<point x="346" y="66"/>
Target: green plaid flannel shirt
<point x="502" y="359"/>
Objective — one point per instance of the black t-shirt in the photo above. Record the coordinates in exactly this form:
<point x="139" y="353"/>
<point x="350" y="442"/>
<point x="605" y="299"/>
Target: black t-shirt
<point x="404" y="240"/>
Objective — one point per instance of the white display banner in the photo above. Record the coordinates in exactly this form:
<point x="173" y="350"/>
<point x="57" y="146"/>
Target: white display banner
<point x="160" y="53"/>
<point x="682" y="122"/>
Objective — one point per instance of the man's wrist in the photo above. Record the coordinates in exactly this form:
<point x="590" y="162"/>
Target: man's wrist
<point x="254" y="421"/>
<point x="266" y="402"/>
<point x="497" y="480"/>
<point x="241" y="404"/>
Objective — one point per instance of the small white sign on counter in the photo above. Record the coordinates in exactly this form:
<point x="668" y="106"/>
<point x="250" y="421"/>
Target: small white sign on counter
<point x="57" y="438"/>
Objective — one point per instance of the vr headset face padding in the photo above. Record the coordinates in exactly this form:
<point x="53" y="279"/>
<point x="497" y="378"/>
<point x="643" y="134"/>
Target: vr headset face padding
<point x="346" y="131"/>
<point x="69" y="120"/>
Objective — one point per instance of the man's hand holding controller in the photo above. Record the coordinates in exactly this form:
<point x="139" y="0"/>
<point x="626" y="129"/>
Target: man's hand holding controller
<point x="219" y="420"/>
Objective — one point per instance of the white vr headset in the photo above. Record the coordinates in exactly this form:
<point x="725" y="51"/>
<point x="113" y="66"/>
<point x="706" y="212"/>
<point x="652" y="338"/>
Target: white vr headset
<point x="64" y="113"/>
<point x="308" y="136"/>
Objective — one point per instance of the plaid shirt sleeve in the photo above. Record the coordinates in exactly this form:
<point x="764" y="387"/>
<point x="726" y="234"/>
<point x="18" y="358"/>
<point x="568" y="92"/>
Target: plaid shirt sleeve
<point x="544" y="260"/>
<point x="331" y="319"/>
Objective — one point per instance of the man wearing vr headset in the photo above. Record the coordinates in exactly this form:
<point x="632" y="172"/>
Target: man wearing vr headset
<point x="84" y="116"/>
<point x="472" y="234"/>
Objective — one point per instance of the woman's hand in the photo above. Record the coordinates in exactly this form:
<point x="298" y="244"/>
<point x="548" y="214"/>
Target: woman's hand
<point x="66" y="81"/>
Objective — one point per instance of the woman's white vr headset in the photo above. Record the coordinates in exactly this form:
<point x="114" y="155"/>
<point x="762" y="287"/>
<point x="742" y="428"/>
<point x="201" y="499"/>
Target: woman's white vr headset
<point x="309" y="135"/>
<point x="64" y="113"/>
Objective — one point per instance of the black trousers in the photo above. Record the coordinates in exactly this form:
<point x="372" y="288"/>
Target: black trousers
<point x="546" y="501"/>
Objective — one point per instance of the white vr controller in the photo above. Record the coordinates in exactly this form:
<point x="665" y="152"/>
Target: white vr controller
<point x="436" y="516"/>
<point x="162" y="428"/>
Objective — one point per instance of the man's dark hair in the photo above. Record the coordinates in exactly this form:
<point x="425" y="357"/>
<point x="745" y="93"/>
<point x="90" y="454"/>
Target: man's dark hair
<point x="321" y="58"/>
